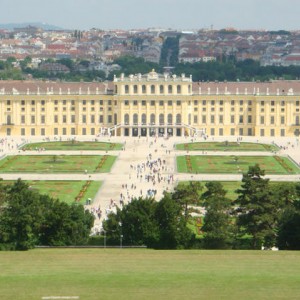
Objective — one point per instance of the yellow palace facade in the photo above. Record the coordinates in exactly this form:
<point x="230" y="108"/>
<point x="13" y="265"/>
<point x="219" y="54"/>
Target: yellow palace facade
<point x="150" y="105"/>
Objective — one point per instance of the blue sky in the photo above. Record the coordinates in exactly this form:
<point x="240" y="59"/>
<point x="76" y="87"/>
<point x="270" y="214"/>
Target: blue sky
<point x="133" y="14"/>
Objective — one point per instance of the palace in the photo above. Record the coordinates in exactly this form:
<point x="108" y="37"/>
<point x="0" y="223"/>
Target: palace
<point x="150" y="104"/>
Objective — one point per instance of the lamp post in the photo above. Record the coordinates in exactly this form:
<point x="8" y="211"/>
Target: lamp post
<point x="121" y="235"/>
<point x="104" y="231"/>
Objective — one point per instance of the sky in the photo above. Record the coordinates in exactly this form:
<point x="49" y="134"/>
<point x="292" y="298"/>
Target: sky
<point x="139" y="14"/>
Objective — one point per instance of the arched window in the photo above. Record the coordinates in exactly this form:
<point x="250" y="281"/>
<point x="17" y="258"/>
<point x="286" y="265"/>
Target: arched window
<point x="135" y="89"/>
<point x="178" y="119"/>
<point x="178" y="89"/>
<point x="152" y="119"/>
<point x="161" y="119"/>
<point x="152" y="89"/>
<point x="144" y="119"/>
<point x="170" y="89"/>
<point x="143" y="89"/>
<point x="135" y="119"/>
<point x="126" y="119"/>
<point x="126" y="89"/>
<point x="170" y="119"/>
<point x="161" y="89"/>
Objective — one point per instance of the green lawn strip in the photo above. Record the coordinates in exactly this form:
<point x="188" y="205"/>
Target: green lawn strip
<point x="223" y="146"/>
<point x="65" y="191"/>
<point x="56" y="163"/>
<point x="69" y="146"/>
<point x="149" y="274"/>
<point x="234" y="165"/>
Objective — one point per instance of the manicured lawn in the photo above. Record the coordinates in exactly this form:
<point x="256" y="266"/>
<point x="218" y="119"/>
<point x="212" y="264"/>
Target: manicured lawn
<point x="229" y="164"/>
<point x="69" y="145"/>
<point x="65" y="191"/>
<point x="223" y="146"/>
<point x="57" y="163"/>
<point x="147" y="274"/>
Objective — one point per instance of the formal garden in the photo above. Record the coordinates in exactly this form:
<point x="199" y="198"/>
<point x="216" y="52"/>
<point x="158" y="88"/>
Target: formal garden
<point x="57" y="164"/>
<point x="226" y="146"/>
<point x="214" y="164"/>
<point x="73" y="145"/>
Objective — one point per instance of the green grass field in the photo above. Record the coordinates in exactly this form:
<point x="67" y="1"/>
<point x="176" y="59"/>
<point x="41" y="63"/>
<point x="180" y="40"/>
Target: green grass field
<point x="59" y="164"/>
<point x="65" y="191"/>
<point x="237" y="164"/>
<point x="95" y="274"/>
<point x="77" y="146"/>
<point x="226" y="146"/>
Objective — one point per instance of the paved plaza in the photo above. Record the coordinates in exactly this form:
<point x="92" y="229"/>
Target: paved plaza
<point x="145" y="167"/>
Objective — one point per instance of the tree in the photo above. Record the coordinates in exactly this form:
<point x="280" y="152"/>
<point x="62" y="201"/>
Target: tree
<point x="257" y="208"/>
<point x="187" y="194"/>
<point x="172" y="225"/>
<point x="135" y="223"/>
<point x="28" y="219"/>
<point x="217" y="221"/>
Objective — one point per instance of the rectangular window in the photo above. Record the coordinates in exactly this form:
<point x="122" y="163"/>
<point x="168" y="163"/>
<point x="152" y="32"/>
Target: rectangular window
<point x="152" y="103"/>
<point x="282" y="120"/>
<point x="262" y="120"/>
<point x="262" y="132"/>
<point x="55" y="131"/>
<point x="23" y="102"/>
<point x="101" y="102"/>
<point x="178" y="102"/>
<point x="272" y="103"/>
<point x="195" y="119"/>
<point x="203" y="119"/>
<point x="32" y="131"/>
<point x="241" y="119"/>
<point x="221" y="119"/>
<point x="23" y="131"/>
<point x="64" y="131"/>
<point x="161" y="103"/>
<point x="212" y="131"/>
<point x="43" y="131"/>
<point x="83" y="102"/>
<point x="32" y="119"/>
<point x="249" y="119"/>
<point x="73" y="131"/>
<point x="100" y="118"/>
<point x="72" y="118"/>
<point x="83" y="131"/>
<point x="221" y="131"/>
<point x="203" y="102"/>
<point x="109" y="119"/>
<point x="83" y="118"/>
<point x="272" y="132"/>
<point x="170" y="103"/>
<point x="232" y="131"/>
<point x="43" y="118"/>
<point x="282" y="132"/>
<point x="55" y="102"/>
<point x="232" y="119"/>
<point x="64" y="102"/>
<point x="22" y="119"/>
<point x="143" y="103"/>
<point x="56" y="119"/>
<point x="92" y="119"/>
<point x="135" y="103"/>
<point x="272" y="120"/>
<point x="64" y="119"/>
<point x="126" y="102"/>
<point x="32" y="102"/>
<point x="212" y="119"/>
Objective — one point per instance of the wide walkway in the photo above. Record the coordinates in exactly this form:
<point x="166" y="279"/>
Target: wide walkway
<point x="146" y="167"/>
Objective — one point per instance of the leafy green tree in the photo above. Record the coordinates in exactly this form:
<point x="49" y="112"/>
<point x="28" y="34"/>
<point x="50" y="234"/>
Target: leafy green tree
<point x="257" y="208"/>
<point x="217" y="226"/>
<point x="187" y="194"/>
<point x="135" y="223"/>
<point x="28" y="219"/>
<point x="172" y="225"/>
